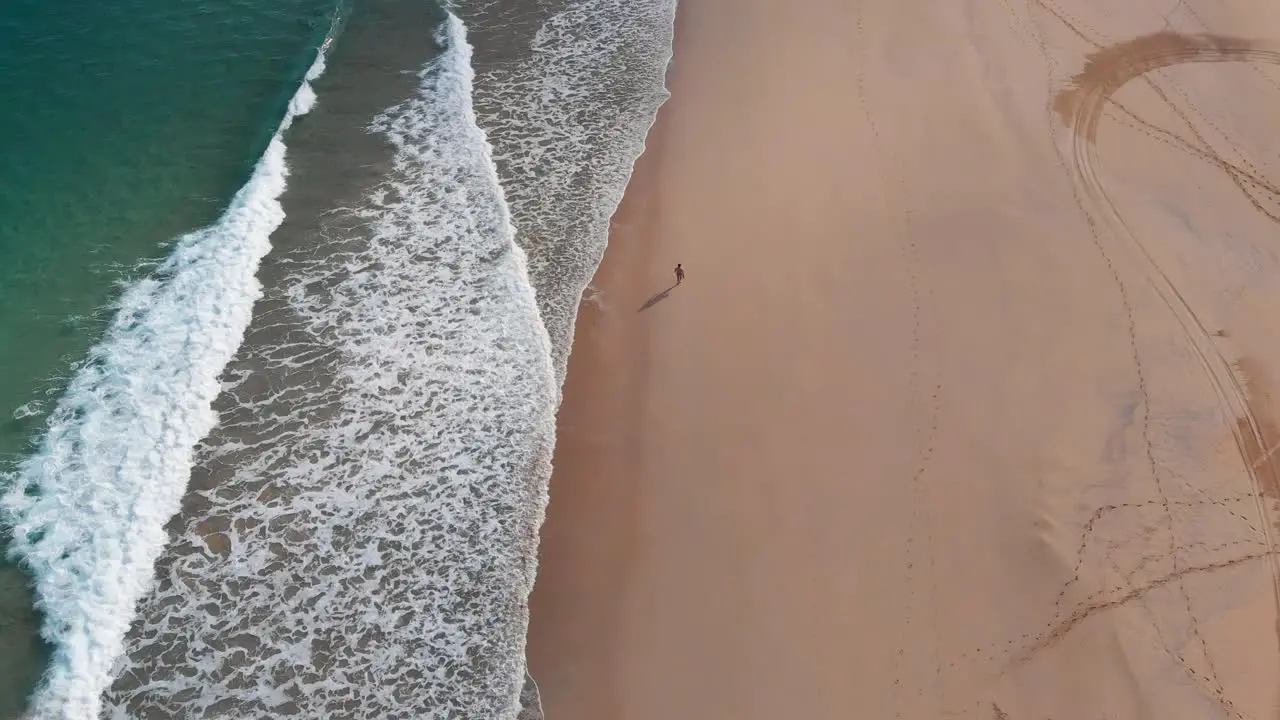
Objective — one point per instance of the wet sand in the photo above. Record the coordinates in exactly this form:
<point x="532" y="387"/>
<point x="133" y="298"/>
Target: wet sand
<point x="965" y="408"/>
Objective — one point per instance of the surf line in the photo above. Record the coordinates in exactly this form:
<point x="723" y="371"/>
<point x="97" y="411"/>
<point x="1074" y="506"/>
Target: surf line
<point x="88" y="508"/>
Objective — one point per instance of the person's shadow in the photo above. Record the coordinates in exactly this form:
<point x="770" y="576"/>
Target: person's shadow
<point x="657" y="298"/>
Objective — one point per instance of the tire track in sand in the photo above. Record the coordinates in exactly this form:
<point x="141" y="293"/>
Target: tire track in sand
<point x="1240" y="177"/>
<point x="1255" y="452"/>
<point x="1000" y="652"/>
<point x="920" y="297"/>
<point x="1082" y="108"/>
<point x="1091" y="190"/>
<point x="1025" y="27"/>
<point x="1054" y="631"/>
<point x="1156" y="476"/>
<point x="1096" y="237"/>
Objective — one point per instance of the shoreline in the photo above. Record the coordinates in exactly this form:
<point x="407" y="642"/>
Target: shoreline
<point x="907" y="440"/>
<point x="602" y="435"/>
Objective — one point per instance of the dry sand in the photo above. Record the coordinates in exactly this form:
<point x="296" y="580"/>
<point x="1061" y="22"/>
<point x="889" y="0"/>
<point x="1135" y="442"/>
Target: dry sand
<point x="965" y="408"/>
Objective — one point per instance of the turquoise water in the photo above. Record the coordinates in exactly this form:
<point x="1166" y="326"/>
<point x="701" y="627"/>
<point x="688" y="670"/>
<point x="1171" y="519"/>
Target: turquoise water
<point x="372" y="464"/>
<point x="123" y="125"/>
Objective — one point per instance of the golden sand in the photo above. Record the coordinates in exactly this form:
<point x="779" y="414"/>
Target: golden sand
<point x="965" y="409"/>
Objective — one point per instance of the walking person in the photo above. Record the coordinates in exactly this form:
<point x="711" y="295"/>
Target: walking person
<point x="679" y="273"/>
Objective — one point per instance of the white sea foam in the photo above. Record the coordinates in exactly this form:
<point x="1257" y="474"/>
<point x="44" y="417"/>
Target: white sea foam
<point x="88" y="508"/>
<point x="26" y="410"/>
<point x="567" y="123"/>
<point x="361" y="539"/>
<point x="368" y="546"/>
<point x="568" y="118"/>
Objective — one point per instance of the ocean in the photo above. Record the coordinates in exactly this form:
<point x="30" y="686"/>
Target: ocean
<point x="287" y="293"/>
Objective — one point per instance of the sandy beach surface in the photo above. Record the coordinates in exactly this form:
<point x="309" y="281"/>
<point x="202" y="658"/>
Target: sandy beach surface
<point x="965" y="409"/>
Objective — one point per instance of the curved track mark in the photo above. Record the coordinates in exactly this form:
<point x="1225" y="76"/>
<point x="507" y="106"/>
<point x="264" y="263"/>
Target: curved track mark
<point x="1242" y="178"/>
<point x="1239" y="176"/>
<point x="1082" y="106"/>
